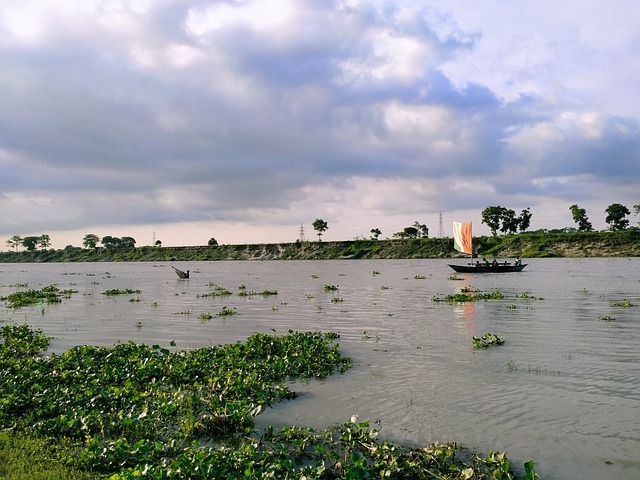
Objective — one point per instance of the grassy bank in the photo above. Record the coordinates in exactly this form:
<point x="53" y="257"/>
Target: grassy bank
<point x="529" y="245"/>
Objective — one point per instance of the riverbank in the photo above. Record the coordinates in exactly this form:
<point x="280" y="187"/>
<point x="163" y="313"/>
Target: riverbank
<point x="528" y="245"/>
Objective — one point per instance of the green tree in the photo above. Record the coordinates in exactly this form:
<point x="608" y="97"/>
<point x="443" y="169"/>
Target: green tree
<point x="90" y="240"/>
<point x="14" y="242"/>
<point x="212" y="242"/>
<point x="110" y="242"/>
<point x="616" y="216"/>
<point x="158" y="243"/>
<point x="407" y="232"/>
<point x="30" y="243"/>
<point x="44" y="241"/>
<point x="509" y="220"/>
<point x="579" y="216"/>
<point x="492" y="217"/>
<point x="423" y="231"/>
<point x="127" y="242"/>
<point x="320" y="226"/>
<point x="524" y="220"/>
<point x="375" y="233"/>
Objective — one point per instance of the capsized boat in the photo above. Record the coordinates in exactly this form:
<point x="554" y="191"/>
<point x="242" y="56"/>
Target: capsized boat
<point x="462" y="242"/>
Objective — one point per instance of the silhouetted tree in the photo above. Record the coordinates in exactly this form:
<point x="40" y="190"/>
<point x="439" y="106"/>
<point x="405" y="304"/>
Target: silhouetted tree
<point x="580" y="217"/>
<point x="375" y="233"/>
<point x="320" y="226"/>
<point x="90" y="240"/>
<point x="616" y="216"/>
<point x="212" y="242"/>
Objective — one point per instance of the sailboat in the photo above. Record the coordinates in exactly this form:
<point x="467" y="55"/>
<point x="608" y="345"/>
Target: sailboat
<point x="462" y="242"/>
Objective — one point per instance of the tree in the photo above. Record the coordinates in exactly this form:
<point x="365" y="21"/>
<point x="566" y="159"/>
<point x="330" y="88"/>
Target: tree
<point x="423" y="231"/>
<point x="524" y="220"/>
<point x="44" y="241"/>
<point x="375" y="233"/>
<point x="407" y="232"/>
<point x="320" y="226"/>
<point x="212" y="242"/>
<point x="30" y="243"/>
<point x="127" y="242"/>
<point x="509" y="220"/>
<point x="616" y="216"/>
<point x="110" y="242"/>
<point x="90" y="240"/>
<point x="158" y="243"/>
<point x="492" y="216"/>
<point x="580" y="217"/>
<point x="14" y="242"/>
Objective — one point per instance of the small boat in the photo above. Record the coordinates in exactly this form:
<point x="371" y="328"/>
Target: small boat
<point x="180" y="273"/>
<point x="462" y="242"/>
<point x="479" y="268"/>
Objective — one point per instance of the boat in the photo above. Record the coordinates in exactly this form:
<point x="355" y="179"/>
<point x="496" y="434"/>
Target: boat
<point x="462" y="242"/>
<point x="180" y="273"/>
<point x="480" y="268"/>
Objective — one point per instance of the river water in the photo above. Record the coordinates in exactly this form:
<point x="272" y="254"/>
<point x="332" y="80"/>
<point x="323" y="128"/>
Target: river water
<point x="564" y="390"/>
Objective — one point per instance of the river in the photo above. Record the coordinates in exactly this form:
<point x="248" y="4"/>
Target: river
<point x="564" y="390"/>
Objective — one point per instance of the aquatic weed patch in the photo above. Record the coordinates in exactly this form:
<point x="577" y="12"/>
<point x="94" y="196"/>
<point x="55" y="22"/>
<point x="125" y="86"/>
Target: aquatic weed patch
<point x="487" y="340"/>
<point x="472" y="296"/>
<point x="117" y="291"/>
<point x="50" y="294"/>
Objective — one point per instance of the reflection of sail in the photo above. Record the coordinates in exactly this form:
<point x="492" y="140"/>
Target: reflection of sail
<point x="466" y="311"/>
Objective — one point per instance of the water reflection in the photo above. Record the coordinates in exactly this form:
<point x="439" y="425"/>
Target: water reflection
<point x="563" y="390"/>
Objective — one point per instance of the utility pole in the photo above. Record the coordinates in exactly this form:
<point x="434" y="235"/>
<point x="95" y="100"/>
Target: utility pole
<point x="440" y="227"/>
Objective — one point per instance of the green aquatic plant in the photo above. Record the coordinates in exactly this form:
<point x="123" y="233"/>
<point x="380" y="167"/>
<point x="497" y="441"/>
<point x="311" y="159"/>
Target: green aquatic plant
<point x="205" y="316"/>
<point x="331" y="288"/>
<point x="606" y="318"/>
<point x="624" y="303"/>
<point x="419" y="277"/>
<point x="117" y="291"/>
<point x="455" y="277"/>
<point x="49" y="294"/>
<point x="337" y="300"/>
<point x="217" y="292"/>
<point x="473" y="296"/>
<point x="226" y="312"/>
<point x="487" y="340"/>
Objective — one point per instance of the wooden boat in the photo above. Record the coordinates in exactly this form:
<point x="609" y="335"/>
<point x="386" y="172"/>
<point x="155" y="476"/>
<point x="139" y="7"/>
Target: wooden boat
<point x="180" y="273"/>
<point x="500" y="268"/>
<point x="462" y="242"/>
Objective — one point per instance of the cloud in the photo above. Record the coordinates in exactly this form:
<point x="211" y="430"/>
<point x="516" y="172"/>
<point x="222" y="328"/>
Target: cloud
<point x="237" y="113"/>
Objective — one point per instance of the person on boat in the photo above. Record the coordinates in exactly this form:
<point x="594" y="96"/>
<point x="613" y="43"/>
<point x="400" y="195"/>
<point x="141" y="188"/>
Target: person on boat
<point x="518" y="261"/>
<point x="486" y="262"/>
<point x="186" y="274"/>
<point x="494" y="263"/>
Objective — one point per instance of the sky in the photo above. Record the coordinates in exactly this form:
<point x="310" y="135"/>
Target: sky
<point x="246" y="120"/>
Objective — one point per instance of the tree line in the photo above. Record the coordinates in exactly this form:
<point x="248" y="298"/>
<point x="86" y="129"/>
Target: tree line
<point x="496" y="217"/>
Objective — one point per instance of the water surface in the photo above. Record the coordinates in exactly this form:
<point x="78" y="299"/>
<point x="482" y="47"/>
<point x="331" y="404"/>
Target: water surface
<point x="563" y="390"/>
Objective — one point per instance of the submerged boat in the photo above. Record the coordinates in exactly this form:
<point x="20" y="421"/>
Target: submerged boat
<point x="462" y="242"/>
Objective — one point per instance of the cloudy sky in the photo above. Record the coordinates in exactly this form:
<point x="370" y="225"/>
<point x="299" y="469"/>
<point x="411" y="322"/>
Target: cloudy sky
<point x="182" y="120"/>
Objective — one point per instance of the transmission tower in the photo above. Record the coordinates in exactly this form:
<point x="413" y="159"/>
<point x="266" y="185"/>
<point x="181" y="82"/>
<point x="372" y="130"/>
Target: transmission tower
<point x="301" y="233"/>
<point x="440" y="227"/>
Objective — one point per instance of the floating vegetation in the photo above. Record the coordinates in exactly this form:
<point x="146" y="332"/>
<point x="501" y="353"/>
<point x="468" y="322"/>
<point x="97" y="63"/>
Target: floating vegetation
<point x="184" y="312"/>
<point x="606" y="318"/>
<point x="226" y="312"/>
<point x="382" y="287"/>
<point x="487" y="340"/>
<point x="367" y="336"/>
<point x="623" y="303"/>
<point x="50" y="294"/>
<point x="116" y="291"/>
<point x="419" y="277"/>
<point x="205" y="316"/>
<point x="525" y="295"/>
<point x="472" y="296"/>
<point x="375" y="272"/>
<point x="264" y="293"/>
<point x="455" y="277"/>
<point x="137" y="299"/>
<point x="217" y="292"/>
<point x="330" y="288"/>
<point x="314" y="276"/>
<point x="337" y="299"/>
